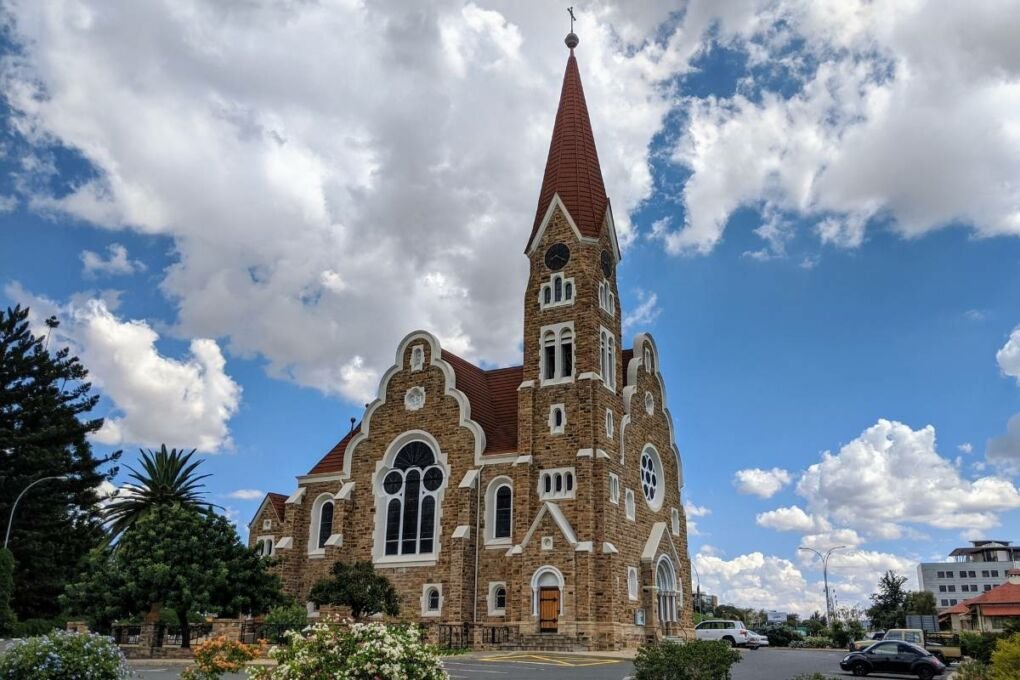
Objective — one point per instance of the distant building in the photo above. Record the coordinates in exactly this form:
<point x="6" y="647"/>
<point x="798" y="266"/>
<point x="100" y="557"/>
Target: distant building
<point x="969" y="571"/>
<point x="989" y="611"/>
<point x="703" y="602"/>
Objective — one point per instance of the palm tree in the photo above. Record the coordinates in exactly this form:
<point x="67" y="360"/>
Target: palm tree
<point x="167" y="478"/>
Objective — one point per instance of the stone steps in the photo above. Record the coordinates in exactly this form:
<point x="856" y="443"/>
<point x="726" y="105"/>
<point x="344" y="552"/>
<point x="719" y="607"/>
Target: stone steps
<point x="547" y="642"/>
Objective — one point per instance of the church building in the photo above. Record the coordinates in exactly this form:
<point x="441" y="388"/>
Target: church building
<point x="535" y="502"/>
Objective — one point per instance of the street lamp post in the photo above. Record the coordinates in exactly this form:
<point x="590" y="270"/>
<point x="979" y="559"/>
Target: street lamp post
<point x="10" y="520"/>
<point x="825" y="575"/>
<point x="697" y="599"/>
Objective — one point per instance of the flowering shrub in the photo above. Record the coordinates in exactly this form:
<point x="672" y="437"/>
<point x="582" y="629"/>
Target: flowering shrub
<point x="217" y="656"/>
<point x="64" y="656"/>
<point x="363" y="651"/>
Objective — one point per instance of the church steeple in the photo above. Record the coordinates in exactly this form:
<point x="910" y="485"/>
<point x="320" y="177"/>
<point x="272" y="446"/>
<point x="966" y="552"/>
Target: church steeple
<point x="572" y="169"/>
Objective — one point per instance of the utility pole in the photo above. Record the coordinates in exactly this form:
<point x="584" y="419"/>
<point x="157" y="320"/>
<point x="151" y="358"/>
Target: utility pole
<point x="825" y="575"/>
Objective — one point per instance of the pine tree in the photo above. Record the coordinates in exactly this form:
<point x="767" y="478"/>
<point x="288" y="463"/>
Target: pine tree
<point x="45" y="403"/>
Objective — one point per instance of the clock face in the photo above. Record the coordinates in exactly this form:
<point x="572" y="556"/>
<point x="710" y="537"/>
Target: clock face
<point x="607" y="264"/>
<point x="557" y="256"/>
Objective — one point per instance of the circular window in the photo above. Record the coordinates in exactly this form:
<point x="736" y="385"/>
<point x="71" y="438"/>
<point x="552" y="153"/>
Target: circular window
<point x="651" y="478"/>
<point x="393" y="482"/>
<point x="433" y="478"/>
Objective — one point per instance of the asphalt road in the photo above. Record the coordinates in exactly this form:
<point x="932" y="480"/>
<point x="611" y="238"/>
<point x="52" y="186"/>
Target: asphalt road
<point x="763" y="664"/>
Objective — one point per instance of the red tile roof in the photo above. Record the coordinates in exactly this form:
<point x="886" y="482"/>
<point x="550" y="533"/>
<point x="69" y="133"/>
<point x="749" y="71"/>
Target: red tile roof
<point x="1007" y="593"/>
<point x="278" y="500"/>
<point x="1001" y="610"/>
<point x="493" y="397"/>
<point x="572" y="169"/>
<point x="333" y="461"/>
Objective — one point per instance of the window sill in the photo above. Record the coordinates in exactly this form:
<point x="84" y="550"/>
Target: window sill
<point x="498" y="542"/>
<point x="431" y="615"/>
<point x="497" y="612"/>
<point x="316" y="554"/>
<point x="406" y="560"/>
<point x="547" y="382"/>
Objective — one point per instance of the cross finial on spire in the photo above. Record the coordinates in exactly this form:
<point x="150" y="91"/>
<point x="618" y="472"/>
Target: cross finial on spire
<point x="572" y="38"/>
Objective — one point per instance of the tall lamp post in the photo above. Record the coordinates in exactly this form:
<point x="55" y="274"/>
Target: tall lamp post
<point x="697" y="598"/>
<point x="10" y="521"/>
<point x="825" y="575"/>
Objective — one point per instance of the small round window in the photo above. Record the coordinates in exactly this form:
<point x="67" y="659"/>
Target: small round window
<point x="651" y="477"/>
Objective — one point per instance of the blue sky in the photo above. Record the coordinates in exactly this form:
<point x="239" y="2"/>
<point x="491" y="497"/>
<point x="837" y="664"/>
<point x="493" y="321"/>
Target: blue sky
<point x="236" y="224"/>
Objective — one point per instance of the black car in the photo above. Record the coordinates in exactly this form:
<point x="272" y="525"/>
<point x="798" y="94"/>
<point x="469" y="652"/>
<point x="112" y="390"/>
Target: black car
<point x="894" y="657"/>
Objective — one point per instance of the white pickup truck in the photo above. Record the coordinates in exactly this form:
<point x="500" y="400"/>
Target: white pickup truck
<point x="733" y="632"/>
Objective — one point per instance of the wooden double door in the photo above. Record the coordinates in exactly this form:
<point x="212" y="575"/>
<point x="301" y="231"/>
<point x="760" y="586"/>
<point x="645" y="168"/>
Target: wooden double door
<point x="548" y="610"/>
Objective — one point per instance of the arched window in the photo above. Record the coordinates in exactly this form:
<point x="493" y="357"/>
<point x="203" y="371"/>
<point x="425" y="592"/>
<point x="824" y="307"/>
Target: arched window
<point x="607" y="358"/>
<point x="549" y="349"/>
<point x="557" y="288"/>
<point x="557" y="419"/>
<point x="325" y="523"/>
<point x="648" y="360"/>
<point x="504" y="512"/>
<point x="546" y="295"/>
<point x="566" y="353"/>
<point x="500" y="598"/>
<point x="632" y="583"/>
<point x="629" y="505"/>
<point x="557" y="358"/>
<point x="666" y="584"/>
<point x="433" y="601"/>
<point x="411" y="489"/>
<point x="568" y="291"/>
<point x="321" y="525"/>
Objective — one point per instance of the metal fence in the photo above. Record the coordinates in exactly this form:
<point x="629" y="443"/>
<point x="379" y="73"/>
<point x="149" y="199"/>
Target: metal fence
<point x="274" y="633"/>
<point x="126" y="634"/>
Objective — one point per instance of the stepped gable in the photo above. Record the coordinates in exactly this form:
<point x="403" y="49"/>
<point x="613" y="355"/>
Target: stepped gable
<point x="572" y="169"/>
<point x="334" y="460"/>
<point x="493" y="397"/>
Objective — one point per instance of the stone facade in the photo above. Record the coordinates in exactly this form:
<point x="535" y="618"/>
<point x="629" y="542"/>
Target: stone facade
<point x="581" y="560"/>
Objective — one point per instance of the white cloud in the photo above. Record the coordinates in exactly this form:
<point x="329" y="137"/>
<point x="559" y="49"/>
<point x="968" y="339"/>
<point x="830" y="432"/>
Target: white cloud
<point x="902" y="112"/>
<point x="965" y="447"/>
<point x="692" y="510"/>
<point x="758" y="580"/>
<point x="246" y="494"/>
<point x="891" y="477"/>
<point x="158" y="399"/>
<point x="791" y="519"/>
<point x="762" y="483"/>
<point x="117" y="262"/>
<point x="644" y="314"/>
<point x="1008" y="356"/>
<point x="316" y="216"/>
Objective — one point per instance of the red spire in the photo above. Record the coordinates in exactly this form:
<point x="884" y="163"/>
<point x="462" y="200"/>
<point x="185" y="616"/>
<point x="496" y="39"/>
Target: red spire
<point x="572" y="169"/>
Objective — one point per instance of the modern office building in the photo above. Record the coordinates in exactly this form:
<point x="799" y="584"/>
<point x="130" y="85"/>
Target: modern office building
<point x="969" y="571"/>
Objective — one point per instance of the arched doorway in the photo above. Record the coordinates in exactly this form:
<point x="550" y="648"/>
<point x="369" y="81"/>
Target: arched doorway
<point x="668" y="594"/>
<point x="547" y="598"/>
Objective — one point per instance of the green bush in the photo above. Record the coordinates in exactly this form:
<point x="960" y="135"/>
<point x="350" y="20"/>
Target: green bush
<point x="283" y="618"/>
<point x="978" y="645"/>
<point x="1006" y="659"/>
<point x="840" y="635"/>
<point x="971" y="670"/>
<point x="37" y="627"/>
<point x="815" y="642"/>
<point x="64" y="656"/>
<point x="698" y="660"/>
<point x="7" y="618"/>
<point x="365" y="651"/>
<point x="782" y="636"/>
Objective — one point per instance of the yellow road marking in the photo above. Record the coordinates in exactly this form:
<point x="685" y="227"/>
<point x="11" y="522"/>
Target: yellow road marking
<point x="540" y="659"/>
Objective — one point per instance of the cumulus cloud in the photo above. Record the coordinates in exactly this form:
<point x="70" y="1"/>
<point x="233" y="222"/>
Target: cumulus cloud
<point x="1008" y="356"/>
<point x="691" y="510"/>
<point x="762" y="483"/>
<point x="158" y="399"/>
<point x="878" y="122"/>
<point x="791" y="519"/>
<point x="758" y="580"/>
<point x="116" y="263"/>
<point x="246" y="494"/>
<point x="891" y="477"/>
<point x="316" y="216"/>
<point x="644" y="314"/>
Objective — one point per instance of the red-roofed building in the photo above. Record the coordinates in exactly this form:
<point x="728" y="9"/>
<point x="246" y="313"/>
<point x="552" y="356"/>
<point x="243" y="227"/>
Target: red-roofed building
<point x="989" y="611"/>
<point x="535" y="500"/>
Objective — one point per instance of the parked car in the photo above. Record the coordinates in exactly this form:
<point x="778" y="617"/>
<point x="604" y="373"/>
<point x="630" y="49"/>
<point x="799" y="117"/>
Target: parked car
<point x="891" y="656"/>
<point x="760" y="639"/>
<point x="869" y="639"/>
<point x="733" y="632"/>
<point x="945" y="646"/>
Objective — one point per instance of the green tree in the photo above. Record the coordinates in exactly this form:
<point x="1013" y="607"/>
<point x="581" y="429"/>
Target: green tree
<point x="1006" y="659"/>
<point x="921" y="602"/>
<point x="358" y="587"/>
<point x="887" y="605"/>
<point x="6" y="587"/>
<point x="167" y="478"/>
<point x="181" y="560"/>
<point x="816" y="624"/>
<point x="45" y="401"/>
